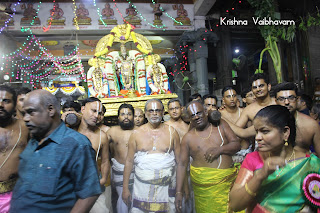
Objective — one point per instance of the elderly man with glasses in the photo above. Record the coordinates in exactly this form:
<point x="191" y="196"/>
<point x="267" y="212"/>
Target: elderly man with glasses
<point x="153" y="150"/>
<point x="308" y="130"/>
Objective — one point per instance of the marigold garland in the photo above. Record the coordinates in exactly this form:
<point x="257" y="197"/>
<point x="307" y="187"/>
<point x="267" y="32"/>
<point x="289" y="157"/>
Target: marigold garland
<point x="116" y="32"/>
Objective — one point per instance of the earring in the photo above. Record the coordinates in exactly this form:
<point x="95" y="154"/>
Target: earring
<point x="286" y="142"/>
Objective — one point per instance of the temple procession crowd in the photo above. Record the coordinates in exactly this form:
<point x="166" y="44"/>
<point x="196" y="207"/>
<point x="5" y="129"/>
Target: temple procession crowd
<point x="199" y="158"/>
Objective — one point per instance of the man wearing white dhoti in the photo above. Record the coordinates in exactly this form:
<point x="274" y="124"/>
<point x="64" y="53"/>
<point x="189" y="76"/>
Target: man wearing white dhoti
<point x="118" y="137"/>
<point x="154" y="150"/>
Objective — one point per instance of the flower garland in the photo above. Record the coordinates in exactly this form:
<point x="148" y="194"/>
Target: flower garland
<point x="111" y="76"/>
<point x="66" y="90"/>
<point x="72" y="90"/>
<point x="129" y="31"/>
<point x="52" y="90"/>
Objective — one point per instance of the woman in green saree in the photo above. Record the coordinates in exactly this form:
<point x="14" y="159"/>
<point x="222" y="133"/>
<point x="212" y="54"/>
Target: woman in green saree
<point x="270" y="179"/>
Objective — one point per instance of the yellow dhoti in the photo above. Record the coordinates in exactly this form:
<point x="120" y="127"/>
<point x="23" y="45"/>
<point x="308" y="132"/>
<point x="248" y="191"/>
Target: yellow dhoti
<point x="211" y="188"/>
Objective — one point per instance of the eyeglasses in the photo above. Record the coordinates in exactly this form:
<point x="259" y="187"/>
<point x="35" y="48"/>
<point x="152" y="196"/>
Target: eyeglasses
<point x="291" y="98"/>
<point x="154" y="111"/>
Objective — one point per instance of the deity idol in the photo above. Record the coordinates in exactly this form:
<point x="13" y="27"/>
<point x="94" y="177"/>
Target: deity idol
<point x="124" y="67"/>
<point x="157" y="78"/>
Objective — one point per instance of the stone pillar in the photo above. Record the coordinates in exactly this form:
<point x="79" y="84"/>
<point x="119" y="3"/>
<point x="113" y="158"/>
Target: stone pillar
<point x="224" y="53"/>
<point x="192" y="67"/>
<point x="201" y="55"/>
<point x="296" y="63"/>
<point x="199" y="22"/>
<point x="199" y="51"/>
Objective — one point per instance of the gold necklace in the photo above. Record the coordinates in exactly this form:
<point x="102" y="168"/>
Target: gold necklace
<point x="294" y="162"/>
<point x="203" y="137"/>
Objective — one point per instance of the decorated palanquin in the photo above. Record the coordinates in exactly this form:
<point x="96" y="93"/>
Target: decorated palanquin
<point x="126" y="76"/>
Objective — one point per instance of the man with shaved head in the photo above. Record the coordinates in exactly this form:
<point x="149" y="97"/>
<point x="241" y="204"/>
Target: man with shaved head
<point x="139" y="118"/>
<point x="91" y="116"/>
<point x="57" y="171"/>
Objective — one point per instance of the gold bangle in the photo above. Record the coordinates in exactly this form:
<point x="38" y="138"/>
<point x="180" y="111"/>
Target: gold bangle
<point x="178" y="193"/>
<point x="253" y="194"/>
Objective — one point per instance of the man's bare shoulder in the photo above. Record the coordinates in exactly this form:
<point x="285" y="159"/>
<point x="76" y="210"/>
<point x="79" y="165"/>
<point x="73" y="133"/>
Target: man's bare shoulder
<point x="307" y="121"/>
<point x="166" y="126"/>
<point x="252" y="109"/>
<point x="140" y="130"/>
<point x="104" y="128"/>
<point x="169" y="122"/>
<point x="104" y="137"/>
<point x="189" y="136"/>
<point x="223" y="123"/>
<point x="223" y="111"/>
<point x="180" y="124"/>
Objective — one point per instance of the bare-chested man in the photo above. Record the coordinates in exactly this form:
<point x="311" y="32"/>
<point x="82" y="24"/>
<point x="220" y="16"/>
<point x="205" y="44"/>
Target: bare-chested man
<point x="119" y="139"/>
<point x="260" y="88"/>
<point x="308" y="130"/>
<point x="153" y="149"/>
<point x="13" y="140"/>
<point x="139" y="118"/>
<point x="175" y="110"/>
<point x="101" y="125"/>
<point x="211" y="148"/>
<point x="21" y="94"/>
<point x="231" y="111"/>
<point x="91" y="110"/>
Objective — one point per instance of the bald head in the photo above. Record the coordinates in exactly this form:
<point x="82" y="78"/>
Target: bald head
<point x="44" y="98"/>
<point x="138" y="117"/>
<point x="41" y="113"/>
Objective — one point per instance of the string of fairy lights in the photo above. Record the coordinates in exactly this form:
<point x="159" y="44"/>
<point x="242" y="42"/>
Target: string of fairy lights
<point x="33" y="63"/>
